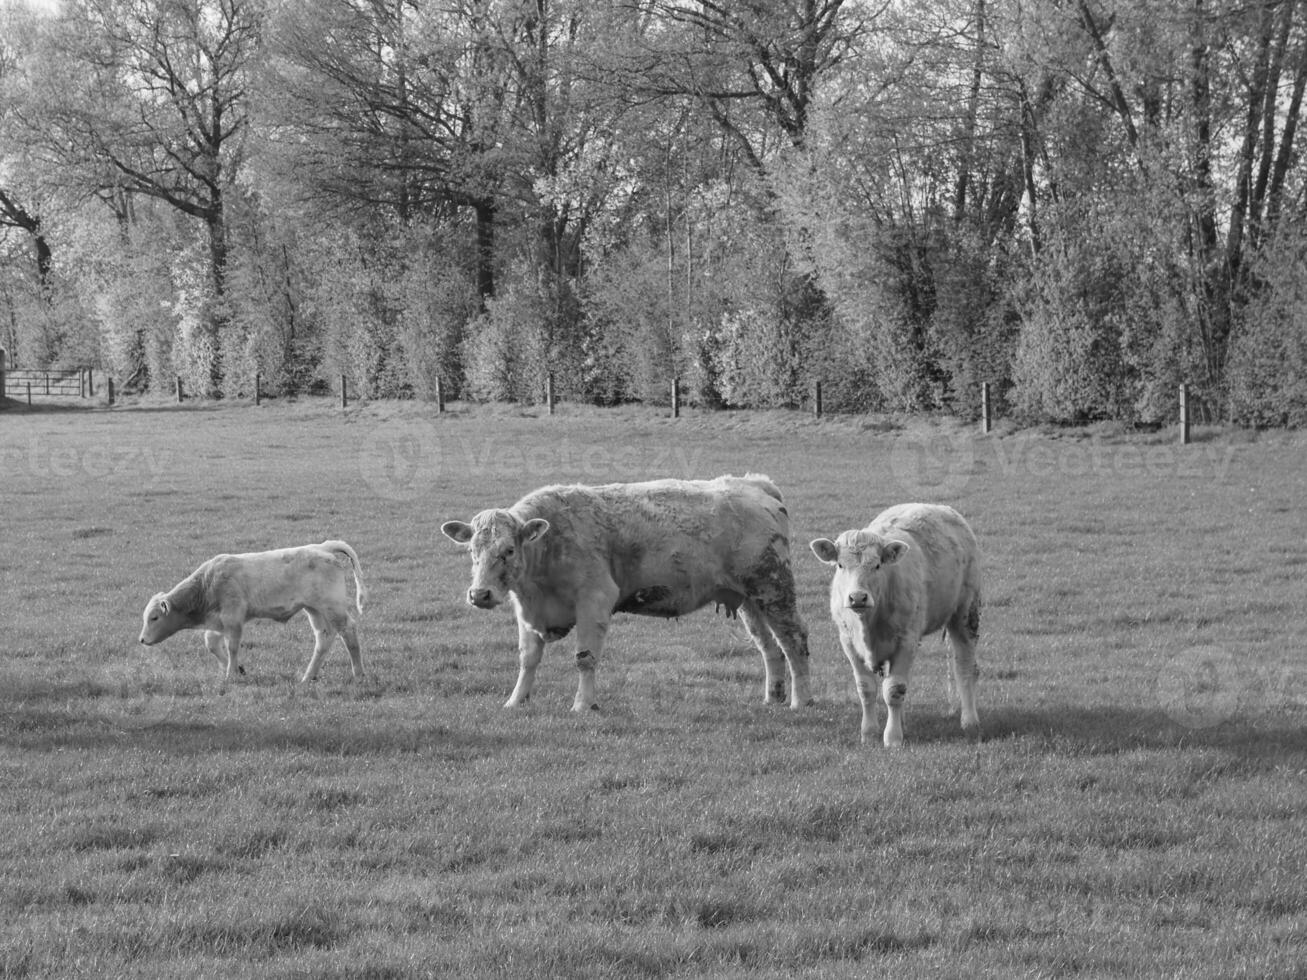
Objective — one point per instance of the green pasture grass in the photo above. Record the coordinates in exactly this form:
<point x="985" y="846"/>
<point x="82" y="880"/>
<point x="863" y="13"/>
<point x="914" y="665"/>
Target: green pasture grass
<point x="1136" y="806"/>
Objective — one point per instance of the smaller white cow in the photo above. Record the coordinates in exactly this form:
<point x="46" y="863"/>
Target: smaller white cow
<point x="227" y="591"/>
<point x="913" y="570"/>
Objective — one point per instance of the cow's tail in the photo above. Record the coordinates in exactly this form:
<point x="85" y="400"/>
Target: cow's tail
<point x="360" y="590"/>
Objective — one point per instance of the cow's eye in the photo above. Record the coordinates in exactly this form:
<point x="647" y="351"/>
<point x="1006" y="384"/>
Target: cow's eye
<point x="508" y="552"/>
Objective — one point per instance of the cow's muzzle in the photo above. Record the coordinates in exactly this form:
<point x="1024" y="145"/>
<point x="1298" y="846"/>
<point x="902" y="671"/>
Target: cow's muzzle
<point x="859" y="600"/>
<point x="482" y="598"/>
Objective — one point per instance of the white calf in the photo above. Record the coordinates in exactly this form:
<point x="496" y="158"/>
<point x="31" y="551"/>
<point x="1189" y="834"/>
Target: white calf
<point x="227" y="591"/>
<point x="913" y="570"/>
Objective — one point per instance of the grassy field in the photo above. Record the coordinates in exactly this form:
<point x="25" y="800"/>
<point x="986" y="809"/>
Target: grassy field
<point x="1136" y="807"/>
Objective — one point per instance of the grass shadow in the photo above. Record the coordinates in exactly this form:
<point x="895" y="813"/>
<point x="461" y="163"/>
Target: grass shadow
<point x="60" y="406"/>
<point x="1098" y="731"/>
<point x="35" y="729"/>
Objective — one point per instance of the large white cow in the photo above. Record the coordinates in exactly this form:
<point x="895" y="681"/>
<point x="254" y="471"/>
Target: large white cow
<point x="571" y="556"/>
<point x="227" y="591"/>
<point x="913" y="570"/>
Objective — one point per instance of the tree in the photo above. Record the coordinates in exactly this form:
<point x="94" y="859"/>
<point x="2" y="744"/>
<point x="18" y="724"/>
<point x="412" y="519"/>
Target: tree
<point x="390" y="109"/>
<point x="15" y="212"/>
<point x="151" y="97"/>
<point x="14" y="215"/>
<point x="749" y="63"/>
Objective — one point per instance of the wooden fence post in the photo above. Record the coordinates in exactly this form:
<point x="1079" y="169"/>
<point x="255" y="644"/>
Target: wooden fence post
<point x="179" y="389"/>
<point x="676" y="398"/>
<point x="3" y="356"/>
<point x="47" y="383"/>
<point x="258" y="386"/>
<point x="29" y="391"/>
<point x="81" y="382"/>
<point x="1184" y="414"/>
<point x="986" y="415"/>
<point x="109" y="389"/>
<point x="344" y="398"/>
<point x="549" y="391"/>
<point x="440" y="395"/>
<point x="90" y="382"/>
<point x="816" y="399"/>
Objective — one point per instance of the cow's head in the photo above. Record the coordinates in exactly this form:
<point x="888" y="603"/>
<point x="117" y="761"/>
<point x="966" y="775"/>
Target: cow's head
<point x="162" y="619"/>
<point x="496" y="539"/>
<point x="859" y="559"/>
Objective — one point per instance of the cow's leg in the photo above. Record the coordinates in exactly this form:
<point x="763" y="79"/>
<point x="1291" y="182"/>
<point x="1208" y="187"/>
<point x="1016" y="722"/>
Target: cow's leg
<point x="323" y="637"/>
<point x="346" y="627"/>
<point x="589" y="645"/>
<point x="865" y="681"/>
<point x="231" y="635"/>
<point x="894" y="689"/>
<point x="773" y="658"/>
<point x="780" y="609"/>
<point x="349" y="631"/>
<point x="963" y="631"/>
<point x="213" y="643"/>
<point x="530" y="648"/>
<point x="951" y="688"/>
<point x="592" y="618"/>
<point x="793" y="636"/>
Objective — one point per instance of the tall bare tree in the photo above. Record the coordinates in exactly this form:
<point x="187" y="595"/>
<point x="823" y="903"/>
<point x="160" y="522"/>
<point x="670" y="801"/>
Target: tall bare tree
<point x="15" y="212"/>
<point x="151" y="97"/>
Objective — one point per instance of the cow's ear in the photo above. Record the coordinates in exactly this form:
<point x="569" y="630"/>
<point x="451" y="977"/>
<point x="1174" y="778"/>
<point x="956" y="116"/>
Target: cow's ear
<point x="893" y="551"/>
<point x="533" y="529"/>
<point x="164" y="606"/>
<point x="825" y="550"/>
<point x="457" y="531"/>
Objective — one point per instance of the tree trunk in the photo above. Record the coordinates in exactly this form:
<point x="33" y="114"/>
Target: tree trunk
<point x="1213" y="315"/>
<point x="1284" y="156"/>
<point x="1243" y="180"/>
<point x="44" y="263"/>
<point x="216" y="317"/>
<point x="969" y="123"/>
<point x="1270" y="112"/>
<point x="13" y="213"/>
<point x="484" y="208"/>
